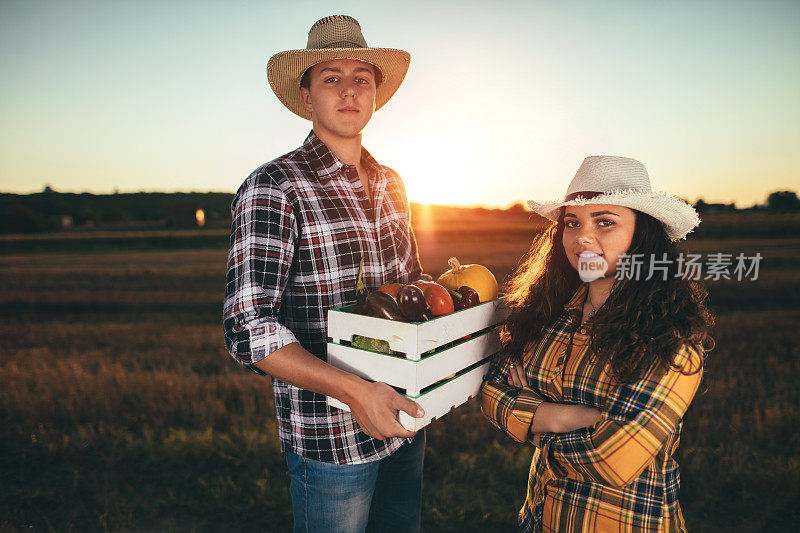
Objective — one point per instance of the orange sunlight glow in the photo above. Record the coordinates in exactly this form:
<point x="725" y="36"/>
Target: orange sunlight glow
<point x="431" y="177"/>
<point x="431" y="191"/>
<point x="423" y="217"/>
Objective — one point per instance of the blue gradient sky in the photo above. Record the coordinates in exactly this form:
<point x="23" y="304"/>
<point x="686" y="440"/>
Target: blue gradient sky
<point x="501" y="103"/>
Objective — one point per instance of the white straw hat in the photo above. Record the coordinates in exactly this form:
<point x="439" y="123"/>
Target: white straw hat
<point x="334" y="37"/>
<point x="606" y="179"/>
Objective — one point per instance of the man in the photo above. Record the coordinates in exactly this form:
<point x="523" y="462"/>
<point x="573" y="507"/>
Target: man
<point x="301" y="225"/>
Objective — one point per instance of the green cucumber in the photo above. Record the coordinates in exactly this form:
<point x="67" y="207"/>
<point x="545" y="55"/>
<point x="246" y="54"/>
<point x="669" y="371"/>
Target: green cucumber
<point x="370" y="344"/>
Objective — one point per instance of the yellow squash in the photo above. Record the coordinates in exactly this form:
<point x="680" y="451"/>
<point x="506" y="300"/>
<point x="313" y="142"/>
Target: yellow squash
<point x="476" y="277"/>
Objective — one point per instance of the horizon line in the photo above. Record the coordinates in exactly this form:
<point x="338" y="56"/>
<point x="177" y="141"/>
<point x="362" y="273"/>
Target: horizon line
<point x="506" y="205"/>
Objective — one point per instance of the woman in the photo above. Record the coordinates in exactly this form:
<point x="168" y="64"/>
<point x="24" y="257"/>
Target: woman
<point x="599" y="371"/>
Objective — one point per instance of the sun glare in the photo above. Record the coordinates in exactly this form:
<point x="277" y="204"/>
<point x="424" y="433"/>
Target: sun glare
<point x="430" y="190"/>
<point x="433" y="175"/>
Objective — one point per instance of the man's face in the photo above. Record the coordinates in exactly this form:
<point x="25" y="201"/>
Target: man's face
<point x="340" y="97"/>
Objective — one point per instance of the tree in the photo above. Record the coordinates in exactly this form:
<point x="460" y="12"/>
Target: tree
<point x="701" y="205"/>
<point x="783" y="201"/>
<point x="21" y="219"/>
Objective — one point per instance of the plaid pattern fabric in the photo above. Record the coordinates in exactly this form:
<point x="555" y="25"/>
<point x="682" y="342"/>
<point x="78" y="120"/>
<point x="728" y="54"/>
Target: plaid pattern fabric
<point x="617" y="475"/>
<point x="301" y="224"/>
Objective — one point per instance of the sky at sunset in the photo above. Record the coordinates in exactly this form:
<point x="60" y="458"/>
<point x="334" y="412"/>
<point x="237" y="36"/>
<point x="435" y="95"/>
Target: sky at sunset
<point x="502" y="102"/>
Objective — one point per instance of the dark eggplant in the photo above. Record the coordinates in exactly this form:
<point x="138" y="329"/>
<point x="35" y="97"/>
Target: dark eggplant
<point x="361" y="291"/>
<point x="382" y="305"/>
<point x="411" y="301"/>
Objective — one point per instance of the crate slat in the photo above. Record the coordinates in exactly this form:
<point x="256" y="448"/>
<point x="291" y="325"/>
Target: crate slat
<point x="416" y="372"/>
<point x="411" y="375"/>
<point x="440" y="400"/>
<point x="414" y="339"/>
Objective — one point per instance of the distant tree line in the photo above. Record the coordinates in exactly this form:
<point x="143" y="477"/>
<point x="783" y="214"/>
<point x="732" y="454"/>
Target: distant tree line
<point x="50" y="210"/>
<point x="780" y="201"/>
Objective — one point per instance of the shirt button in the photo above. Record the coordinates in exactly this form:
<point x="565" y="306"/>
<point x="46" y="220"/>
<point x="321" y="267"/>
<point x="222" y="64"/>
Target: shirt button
<point x="583" y="331"/>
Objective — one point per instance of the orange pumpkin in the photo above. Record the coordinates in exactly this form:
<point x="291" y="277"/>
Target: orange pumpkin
<point x="476" y="277"/>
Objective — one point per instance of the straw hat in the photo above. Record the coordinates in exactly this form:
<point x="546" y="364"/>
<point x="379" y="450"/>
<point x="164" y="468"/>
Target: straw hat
<point x="606" y="179"/>
<point x="334" y="37"/>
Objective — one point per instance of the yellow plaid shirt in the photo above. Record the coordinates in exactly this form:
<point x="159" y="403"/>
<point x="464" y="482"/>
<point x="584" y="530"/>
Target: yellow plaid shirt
<point x="618" y="475"/>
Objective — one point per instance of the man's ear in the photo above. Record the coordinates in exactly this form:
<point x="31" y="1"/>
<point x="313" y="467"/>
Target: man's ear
<point x="305" y="97"/>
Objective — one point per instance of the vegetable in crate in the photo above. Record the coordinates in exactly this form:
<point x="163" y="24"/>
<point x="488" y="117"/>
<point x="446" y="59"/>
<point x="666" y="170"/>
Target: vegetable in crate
<point x="361" y="290"/>
<point x="438" y="298"/>
<point x="381" y="305"/>
<point x="478" y="277"/>
<point x="370" y="344"/>
<point x="411" y="301"/>
<point x="391" y="289"/>
<point x="464" y="297"/>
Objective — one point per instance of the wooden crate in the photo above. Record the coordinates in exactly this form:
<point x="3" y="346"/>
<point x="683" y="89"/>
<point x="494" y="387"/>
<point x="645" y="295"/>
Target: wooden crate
<point x="427" y="355"/>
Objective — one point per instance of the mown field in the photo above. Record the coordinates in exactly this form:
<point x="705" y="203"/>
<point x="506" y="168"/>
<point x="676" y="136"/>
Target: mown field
<point x="121" y="409"/>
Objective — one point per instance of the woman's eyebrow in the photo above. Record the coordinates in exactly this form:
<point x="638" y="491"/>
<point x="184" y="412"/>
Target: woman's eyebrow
<point x="599" y="213"/>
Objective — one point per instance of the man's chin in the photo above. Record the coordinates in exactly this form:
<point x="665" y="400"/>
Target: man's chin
<point x="351" y="133"/>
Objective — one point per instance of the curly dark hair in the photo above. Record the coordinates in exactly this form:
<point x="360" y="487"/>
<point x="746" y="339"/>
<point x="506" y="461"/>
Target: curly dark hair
<point x="644" y="322"/>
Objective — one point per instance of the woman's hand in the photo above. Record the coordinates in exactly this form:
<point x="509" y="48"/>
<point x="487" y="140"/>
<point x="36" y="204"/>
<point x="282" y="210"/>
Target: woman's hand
<point x="553" y="417"/>
<point x="517" y="377"/>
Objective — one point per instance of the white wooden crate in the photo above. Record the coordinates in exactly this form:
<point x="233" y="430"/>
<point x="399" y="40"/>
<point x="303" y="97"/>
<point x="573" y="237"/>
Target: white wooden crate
<point x="415" y="338"/>
<point x="440" y="400"/>
<point x="421" y="376"/>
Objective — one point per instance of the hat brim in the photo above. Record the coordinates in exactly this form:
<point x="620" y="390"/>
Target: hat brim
<point x="285" y="69"/>
<point x="678" y="217"/>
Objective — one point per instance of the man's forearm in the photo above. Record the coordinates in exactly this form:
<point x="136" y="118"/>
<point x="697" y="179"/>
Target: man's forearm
<point x="293" y="364"/>
<point x="373" y="405"/>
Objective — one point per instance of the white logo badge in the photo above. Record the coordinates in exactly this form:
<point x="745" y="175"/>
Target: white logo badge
<point x="591" y="266"/>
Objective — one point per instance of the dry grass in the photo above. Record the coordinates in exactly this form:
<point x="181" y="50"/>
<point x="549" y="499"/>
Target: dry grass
<point x="121" y="409"/>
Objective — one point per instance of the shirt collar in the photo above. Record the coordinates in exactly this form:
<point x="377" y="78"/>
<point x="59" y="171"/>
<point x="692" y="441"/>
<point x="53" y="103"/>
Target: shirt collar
<point x="327" y="165"/>
<point x="369" y="162"/>
<point x="576" y="302"/>
<point x="322" y="160"/>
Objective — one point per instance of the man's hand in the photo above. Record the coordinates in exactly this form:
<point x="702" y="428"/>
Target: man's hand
<point x="375" y="407"/>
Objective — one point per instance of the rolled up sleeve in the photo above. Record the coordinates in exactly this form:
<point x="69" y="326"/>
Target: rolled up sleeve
<point x="262" y="244"/>
<point x="510" y="409"/>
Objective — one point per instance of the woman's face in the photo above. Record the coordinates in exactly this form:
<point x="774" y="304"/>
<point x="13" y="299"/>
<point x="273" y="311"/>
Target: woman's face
<point x="597" y="233"/>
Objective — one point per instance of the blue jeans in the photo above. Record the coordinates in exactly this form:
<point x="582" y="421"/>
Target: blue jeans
<point x="383" y="495"/>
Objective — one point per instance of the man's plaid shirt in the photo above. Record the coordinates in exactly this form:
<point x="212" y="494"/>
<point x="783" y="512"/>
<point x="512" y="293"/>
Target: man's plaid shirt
<point x="301" y="224"/>
<point x="618" y="475"/>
